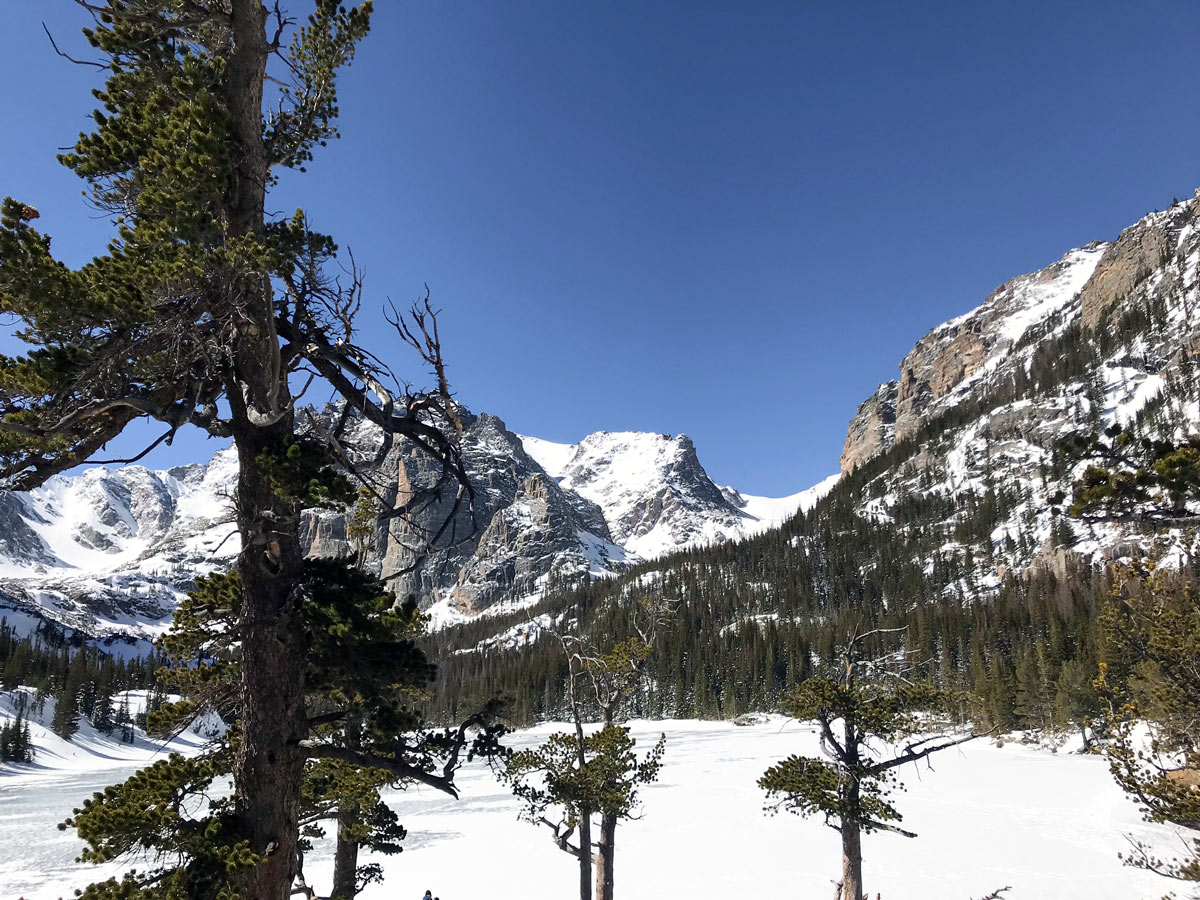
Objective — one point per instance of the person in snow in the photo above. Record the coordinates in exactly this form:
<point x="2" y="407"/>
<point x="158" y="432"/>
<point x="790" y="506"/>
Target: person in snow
<point x="428" y="895"/>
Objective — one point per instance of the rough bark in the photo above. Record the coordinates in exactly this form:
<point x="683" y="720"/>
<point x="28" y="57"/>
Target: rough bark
<point x="247" y="69"/>
<point x="852" y="886"/>
<point x="585" y="854"/>
<point x="345" y="854"/>
<point x="605" y="856"/>
<point x="345" y="858"/>
<point x="269" y="765"/>
<point x="852" y="859"/>
<point x="585" y="812"/>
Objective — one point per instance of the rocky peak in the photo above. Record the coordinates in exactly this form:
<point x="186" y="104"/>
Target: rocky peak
<point x="1108" y="334"/>
<point x="1140" y="250"/>
<point x="652" y="489"/>
<point x="109" y="551"/>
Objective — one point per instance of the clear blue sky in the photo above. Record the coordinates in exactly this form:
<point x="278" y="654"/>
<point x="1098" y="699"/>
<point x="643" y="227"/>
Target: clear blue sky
<point x="726" y="219"/>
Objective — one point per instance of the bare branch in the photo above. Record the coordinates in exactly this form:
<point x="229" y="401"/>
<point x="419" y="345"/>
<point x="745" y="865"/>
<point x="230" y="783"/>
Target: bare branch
<point x="167" y="436"/>
<point x="887" y="826"/>
<point x="69" y="58"/>
<point x="914" y="755"/>
<point x="398" y="767"/>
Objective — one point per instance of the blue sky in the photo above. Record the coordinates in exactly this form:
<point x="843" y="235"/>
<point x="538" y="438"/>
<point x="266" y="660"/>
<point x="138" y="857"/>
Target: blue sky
<point x="725" y="219"/>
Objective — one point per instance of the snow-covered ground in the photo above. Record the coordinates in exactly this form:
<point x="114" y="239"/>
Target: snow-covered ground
<point x="88" y="750"/>
<point x="1049" y="825"/>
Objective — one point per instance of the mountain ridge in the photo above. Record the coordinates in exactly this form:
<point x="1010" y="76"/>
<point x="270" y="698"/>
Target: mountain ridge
<point x="108" y="552"/>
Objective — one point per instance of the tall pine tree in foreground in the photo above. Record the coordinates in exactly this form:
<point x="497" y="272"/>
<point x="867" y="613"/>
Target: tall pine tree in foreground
<point x="199" y="314"/>
<point x="364" y="674"/>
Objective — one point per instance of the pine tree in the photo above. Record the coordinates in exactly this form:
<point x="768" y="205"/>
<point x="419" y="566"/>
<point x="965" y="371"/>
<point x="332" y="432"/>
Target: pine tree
<point x="570" y="777"/>
<point x="199" y="314"/>
<point x="574" y="776"/>
<point x="1155" y="619"/>
<point x="66" y="704"/>
<point x="1076" y="701"/>
<point x="363" y="671"/>
<point x="124" y="720"/>
<point x="1151" y="628"/>
<point x="865" y="704"/>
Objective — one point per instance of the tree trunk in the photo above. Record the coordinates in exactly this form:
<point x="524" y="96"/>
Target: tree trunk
<point x="852" y="886"/>
<point x="585" y="812"/>
<point x="345" y="855"/>
<point x="345" y="859"/>
<point x="268" y="765"/>
<point x="604" y="857"/>
<point x="585" y="854"/>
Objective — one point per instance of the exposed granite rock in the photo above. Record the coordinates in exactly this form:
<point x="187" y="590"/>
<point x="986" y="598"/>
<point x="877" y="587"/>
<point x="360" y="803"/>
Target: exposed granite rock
<point x="872" y="428"/>
<point x="1139" y="251"/>
<point x="942" y="366"/>
<point x="323" y="533"/>
<point x="959" y="359"/>
<point x="18" y="540"/>
<point x="521" y="529"/>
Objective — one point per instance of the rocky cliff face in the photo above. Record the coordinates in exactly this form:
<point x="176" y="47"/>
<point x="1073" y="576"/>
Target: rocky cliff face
<point x="944" y="365"/>
<point x="108" y="552"/>
<point x="1108" y="334"/>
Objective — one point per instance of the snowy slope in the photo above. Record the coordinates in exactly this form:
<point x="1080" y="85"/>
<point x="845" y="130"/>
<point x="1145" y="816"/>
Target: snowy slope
<point x="654" y="493"/>
<point x="1109" y="334"/>
<point x="1048" y="825"/>
<point x="89" y="750"/>
<point x="108" y="552"/>
<point x="772" y="511"/>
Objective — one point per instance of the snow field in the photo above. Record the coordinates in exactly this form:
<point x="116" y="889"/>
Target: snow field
<point x="88" y="750"/>
<point x="1050" y="825"/>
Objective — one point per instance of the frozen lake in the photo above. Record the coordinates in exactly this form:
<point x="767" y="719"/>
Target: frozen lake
<point x="1050" y="825"/>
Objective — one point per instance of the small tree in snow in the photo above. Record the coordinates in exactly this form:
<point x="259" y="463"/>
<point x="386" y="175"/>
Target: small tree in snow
<point x="867" y="706"/>
<point x="575" y="776"/>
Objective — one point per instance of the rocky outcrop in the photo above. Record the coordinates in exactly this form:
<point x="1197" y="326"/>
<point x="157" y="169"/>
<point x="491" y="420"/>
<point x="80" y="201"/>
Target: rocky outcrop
<point x="1140" y="250"/>
<point x="521" y="530"/>
<point x="944" y="364"/>
<point x="959" y="359"/>
<point x="872" y="429"/>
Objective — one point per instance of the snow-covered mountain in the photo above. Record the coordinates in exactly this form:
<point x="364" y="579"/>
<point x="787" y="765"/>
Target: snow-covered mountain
<point x="1110" y="333"/>
<point x="943" y="521"/>
<point x="655" y="495"/>
<point x="109" y="551"/>
<point x="959" y="452"/>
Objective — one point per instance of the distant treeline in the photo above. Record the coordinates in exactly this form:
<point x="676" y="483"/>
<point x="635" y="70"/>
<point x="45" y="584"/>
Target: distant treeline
<point x="81" y="680"/>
